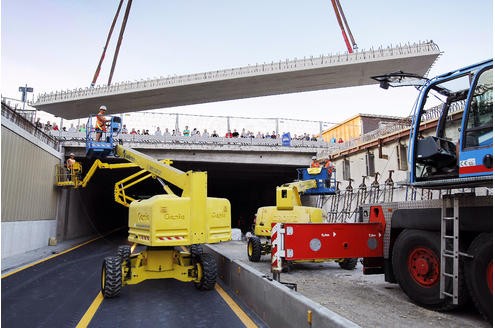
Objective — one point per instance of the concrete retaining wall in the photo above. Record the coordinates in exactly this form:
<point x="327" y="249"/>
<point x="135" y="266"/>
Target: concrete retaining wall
<point x="276" y="304"/>
<point x="23" y="236"/>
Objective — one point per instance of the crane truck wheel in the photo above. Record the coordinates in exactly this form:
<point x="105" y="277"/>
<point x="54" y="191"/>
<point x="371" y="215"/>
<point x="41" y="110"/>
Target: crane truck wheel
<point x="416" y="265"/>
<point x="111" y="276"/>
<point x="479" y="274"/>
<point x="254" y="249"/>
<point x="348" y="264"/>
<point x="207" y="272"/>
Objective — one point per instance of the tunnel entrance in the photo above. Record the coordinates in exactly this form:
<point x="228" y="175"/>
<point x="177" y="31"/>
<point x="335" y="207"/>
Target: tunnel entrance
<point x="246" y="186"/>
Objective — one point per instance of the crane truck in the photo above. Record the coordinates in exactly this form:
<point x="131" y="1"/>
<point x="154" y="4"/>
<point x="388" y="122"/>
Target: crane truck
<point x="169" y="228"/>
<point x="440" y="250"/>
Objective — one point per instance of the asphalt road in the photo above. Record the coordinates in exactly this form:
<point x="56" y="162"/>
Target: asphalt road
<point x="58" y="292"/>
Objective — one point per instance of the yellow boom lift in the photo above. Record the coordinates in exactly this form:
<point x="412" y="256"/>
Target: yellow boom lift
<point x="164" y="224"/>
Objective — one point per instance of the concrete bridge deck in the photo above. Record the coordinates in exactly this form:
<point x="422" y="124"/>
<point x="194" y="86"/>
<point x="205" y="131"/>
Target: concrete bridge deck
<point x="298" y="75"/>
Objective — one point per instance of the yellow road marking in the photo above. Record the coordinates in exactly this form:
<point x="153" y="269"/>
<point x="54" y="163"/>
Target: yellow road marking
<point x="49" y="257"/>
<point x="88" y="316"/>
<point x="245" y="319"/>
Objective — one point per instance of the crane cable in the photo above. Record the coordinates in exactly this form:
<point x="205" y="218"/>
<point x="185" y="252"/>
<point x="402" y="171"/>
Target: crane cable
<point x="121" y="35"/>
<point x="95" y="76"/>
<point x="339" y="13"/>
<point x="117" y="48"/>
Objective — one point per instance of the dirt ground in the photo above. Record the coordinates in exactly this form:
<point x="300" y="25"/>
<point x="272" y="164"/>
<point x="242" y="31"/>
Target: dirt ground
<point x="368" y="301"/>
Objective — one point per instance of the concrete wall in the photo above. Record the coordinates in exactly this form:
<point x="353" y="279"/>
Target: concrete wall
<point x="29" y="198"/>
<point x="273" y="302"/>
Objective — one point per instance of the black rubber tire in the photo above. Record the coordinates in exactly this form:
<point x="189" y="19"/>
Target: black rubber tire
<point x="476" y="271"/>
<point x="208" y="272"/>
<point x="111" y="277"/>
<point x="124" y="252"/>
<point x="348" y="264"/>
<point x="196" y="250"/>
<point x="254" y="249"/>
<point x="411" y="240"/>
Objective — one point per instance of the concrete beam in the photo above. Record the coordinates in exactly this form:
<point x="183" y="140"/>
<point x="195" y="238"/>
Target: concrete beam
<point x="298" y="75"/>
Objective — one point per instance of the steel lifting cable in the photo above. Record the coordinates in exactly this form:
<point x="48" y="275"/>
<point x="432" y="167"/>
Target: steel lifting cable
<point x="339" y="13"/>
<point x="348" y="29"/>
<point x="98" y="68"/>
<point x="121" y="35"/>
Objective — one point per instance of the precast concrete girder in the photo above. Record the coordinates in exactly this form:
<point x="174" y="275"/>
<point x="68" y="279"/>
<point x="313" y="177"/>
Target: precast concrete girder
<point x="290" y="76"/>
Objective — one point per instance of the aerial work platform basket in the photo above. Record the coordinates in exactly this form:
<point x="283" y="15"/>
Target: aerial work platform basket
<point x="326" y="183"/>
<point x="105" y="146"/>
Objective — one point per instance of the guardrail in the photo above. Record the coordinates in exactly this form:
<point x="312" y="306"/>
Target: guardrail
<point x="80" y="137"/>
<point x="11" y="115"/>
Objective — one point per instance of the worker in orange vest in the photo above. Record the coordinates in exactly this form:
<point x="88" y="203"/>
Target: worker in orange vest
<point x="101" y="122"/>
<point x="329" y="165"/>
<point x="315" y="162"/>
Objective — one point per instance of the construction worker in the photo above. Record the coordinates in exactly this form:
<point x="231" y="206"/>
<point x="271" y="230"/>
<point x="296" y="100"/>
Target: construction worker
<point x="70" y="165"/>
<point x="315" y="162"/>
<point x="330" y="169"/>
<point x="101" y="122"/>
<point x="329" y="165"/>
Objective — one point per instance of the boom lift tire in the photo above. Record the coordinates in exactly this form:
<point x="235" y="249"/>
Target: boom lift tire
<point x="207" y="272"/>
<point x="416" y="265"/>
<point x="124" y="252"/>
<point x="196" y="250"/>
<point x="479" y="274"/>
<point x="111" y="276"/>
<point x="348" y="264"/>
<point x="254" y="249"/>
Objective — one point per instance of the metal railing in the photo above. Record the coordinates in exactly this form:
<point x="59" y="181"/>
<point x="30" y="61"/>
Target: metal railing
<point x="345" y="205"/>
<point x="80" y="137"/>
<point x="11" y="115"/>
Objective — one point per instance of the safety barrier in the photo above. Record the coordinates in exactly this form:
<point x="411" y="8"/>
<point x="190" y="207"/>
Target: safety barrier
<point x="80" y="137"/>
<point x="276" y="304"/>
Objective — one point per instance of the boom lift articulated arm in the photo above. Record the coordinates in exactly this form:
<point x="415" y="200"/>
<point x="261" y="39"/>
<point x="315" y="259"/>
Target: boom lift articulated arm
<point x="288" y="195"/>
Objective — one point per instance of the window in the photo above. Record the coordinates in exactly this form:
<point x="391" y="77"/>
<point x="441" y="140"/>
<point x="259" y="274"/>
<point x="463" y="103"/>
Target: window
<point x="479" y="127"/>
<point x="370" y="164"/>
<point x="346" y="169"/>
<point x="402" y="157"/>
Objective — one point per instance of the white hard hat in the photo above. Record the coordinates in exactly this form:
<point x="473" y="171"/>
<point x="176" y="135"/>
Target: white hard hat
<point x="314" y="157"/>
<point x="72" y="154"/>
<point x="103" y="107"/>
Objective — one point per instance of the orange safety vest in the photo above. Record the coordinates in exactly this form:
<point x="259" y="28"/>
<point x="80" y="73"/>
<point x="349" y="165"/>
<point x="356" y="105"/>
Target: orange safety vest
<point x="100" y="122"/>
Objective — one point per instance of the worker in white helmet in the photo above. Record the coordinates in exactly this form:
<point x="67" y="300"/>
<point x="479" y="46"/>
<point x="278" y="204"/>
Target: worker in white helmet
<point x="101" y="122"/>
<point x="315" y="162"/>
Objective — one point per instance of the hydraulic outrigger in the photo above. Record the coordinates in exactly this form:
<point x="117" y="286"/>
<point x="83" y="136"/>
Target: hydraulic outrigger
<point x="165" y="224"/>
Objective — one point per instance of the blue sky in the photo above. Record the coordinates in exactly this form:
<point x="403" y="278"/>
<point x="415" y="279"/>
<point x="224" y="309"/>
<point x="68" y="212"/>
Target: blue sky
<point x="55" y="45"/>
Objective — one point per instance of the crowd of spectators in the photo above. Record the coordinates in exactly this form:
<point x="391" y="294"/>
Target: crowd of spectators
<point x="50" y="128"/>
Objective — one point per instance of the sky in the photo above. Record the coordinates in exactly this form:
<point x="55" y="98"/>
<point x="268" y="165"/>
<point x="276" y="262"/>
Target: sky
<point x="55" y="45"/>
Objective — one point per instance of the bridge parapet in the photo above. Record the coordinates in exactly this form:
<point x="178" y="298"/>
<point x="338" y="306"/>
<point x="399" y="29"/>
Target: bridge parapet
<point x="79" y="138"/>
